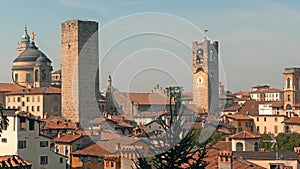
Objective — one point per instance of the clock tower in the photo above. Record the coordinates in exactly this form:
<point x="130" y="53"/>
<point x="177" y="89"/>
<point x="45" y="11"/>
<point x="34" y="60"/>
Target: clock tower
<point x="206" y="75"/>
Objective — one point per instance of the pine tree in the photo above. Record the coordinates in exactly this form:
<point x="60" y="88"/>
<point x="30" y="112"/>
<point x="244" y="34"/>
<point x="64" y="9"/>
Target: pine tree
<point x="3" y="120"/>
<point x="172" y="149"/>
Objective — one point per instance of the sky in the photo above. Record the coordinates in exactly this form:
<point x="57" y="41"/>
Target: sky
<point x="144" y="43"/>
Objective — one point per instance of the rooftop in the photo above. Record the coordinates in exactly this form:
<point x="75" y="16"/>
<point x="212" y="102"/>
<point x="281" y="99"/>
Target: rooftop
<point x="13" y="161"/>
<point x="293" y="120"/>
<point x="38" y="90"/>
<point x="92" y="150"/>
<point x="244" y="135"/>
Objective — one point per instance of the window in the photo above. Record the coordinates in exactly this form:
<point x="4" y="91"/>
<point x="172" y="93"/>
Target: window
<point x="19" y="99"/>
<point x="44" y="160"/>
<point x="27" y="108"/>
<point x="276" y="119"/>
<point x="256" y="147"/>
<point x="265" y="119"/>
<point x="240" y="129"/>
<point x="28" y="77"/>
<point x="43" y="143"/>
<point x="38" y="108"/>
<point x="16" y="77"/>
<point x="66" y="150"/>
<point x="288" y="107"/>
<point x="275" y="129"/>
<point x="38" y="99"/>
<point x="36" y="75"/>
<point x="99" y="160"/>
<point x="22" y="123"/>
<point x="4" y="140"/>
<point x="257" y="118"/>
<point x="257" y="129"/>
<point x="23" y="104"/>
<point x="265" y="129"/>
<point x="239" y="146"/>
<point x="32" y="108"/>
<point x="14" y="99"/>
<point x="32" y="99"/>
<point x="27" y="99"/>
<point x="31" y="124"/>
<point x="8" y="99"/>
<point x="89" y="159"/>
<point x="248" y="124"/>
<point x="288" y="82"/>
<point x="289" y="97"/>
<point x="61" y="160"/>
<point x="22" y="144"/>
<point x="297" y="83"/>
<point x="240" y="124"/>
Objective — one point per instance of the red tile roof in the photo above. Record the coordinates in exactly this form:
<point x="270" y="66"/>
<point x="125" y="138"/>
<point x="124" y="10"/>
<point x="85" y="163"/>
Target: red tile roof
<point x="13" y="161"/>
<point x="293" y="120"/>
<point x="92" y="150"/>
<point x="148" y="98"/>
<point x="98" y="120"/>
<point x="270" y="90"/>
<point x="233" y="108"/>
<point x="8" y="87"/>
<point x="57" y="122"/>
<point x="238" y="116"/>
<point x="244" y="135"/>
<point x="67" y="138"/>
<point x="39" y="90"/>
<point x="251" y="107"/>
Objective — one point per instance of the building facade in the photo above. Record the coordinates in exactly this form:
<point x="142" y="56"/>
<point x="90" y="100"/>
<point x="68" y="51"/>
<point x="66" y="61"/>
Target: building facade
<point x="22" y="138"/>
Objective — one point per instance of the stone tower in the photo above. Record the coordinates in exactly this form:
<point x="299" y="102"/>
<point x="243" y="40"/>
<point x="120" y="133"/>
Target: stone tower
<point x="80" y="70"/>
<point x="291" y="89"/>
<point x="206" y="75"/>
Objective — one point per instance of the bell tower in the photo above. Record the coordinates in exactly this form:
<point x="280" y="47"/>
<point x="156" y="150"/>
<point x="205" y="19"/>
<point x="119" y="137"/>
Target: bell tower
<point x="291" y="89"/>
<point x="206" y="75"/>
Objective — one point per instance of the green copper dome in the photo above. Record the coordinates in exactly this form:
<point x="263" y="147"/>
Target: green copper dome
<point x="25" y="36"/>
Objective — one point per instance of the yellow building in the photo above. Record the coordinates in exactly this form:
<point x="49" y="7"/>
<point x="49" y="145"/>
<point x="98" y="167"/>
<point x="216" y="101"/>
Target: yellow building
<point x="37" y="101"/>
<point x="265" y="124"/>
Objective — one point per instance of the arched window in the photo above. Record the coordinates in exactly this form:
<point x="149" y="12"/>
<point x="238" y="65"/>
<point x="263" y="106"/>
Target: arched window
<point x="256" y="146"/>
<point x="36" y="75"/>
<point x="199" y="55"/>
<point x="288" y="82"/>
<point x="239" y="146"/>
<point x="288" y="107"/>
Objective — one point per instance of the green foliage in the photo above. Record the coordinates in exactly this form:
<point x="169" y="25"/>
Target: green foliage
<point x="286" y="141"/>
<point x="3" y="120"/>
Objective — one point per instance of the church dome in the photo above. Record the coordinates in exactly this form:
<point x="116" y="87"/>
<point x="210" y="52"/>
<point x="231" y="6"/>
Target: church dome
<point x="32" y="54"/>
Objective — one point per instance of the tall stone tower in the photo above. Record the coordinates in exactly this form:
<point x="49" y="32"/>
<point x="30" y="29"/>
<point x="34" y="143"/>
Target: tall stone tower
<point x="206" y="75"/>
<point x="80" y="70"/>
<point x="291" y="89"/>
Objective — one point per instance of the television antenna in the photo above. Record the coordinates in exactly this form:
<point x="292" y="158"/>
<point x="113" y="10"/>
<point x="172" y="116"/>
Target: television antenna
<point x="275" y="143"/>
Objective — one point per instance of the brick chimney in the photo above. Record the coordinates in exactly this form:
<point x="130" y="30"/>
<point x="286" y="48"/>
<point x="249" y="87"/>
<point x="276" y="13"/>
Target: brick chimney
<point x="225" y="160"/>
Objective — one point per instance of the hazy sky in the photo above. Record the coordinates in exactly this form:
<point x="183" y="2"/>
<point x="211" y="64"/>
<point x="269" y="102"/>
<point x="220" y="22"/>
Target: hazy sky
<point x="258" y="39"/>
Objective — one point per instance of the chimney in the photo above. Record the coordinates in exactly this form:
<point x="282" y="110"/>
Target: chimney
<point x="225" y="160"/>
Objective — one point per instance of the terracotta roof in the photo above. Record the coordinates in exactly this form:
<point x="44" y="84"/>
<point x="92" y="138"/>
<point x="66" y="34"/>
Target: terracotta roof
<point x="223" y="145"/>
<point x="57" y="122"/>
<point x="193" y="125"/>
<point x="92" y="150"/>
<point x="233" y="108"/>
<point x="110" y="145"/>
<point x="151" y="114"/>
<point x="67" y="138"/>
<point x="238" y="116"/>
<point x="98" y="120"/>
<point x="212" y="156"/>
<point x="9" y="87"/>
<point x="148" y="98"/>
<point x="39" y="90"/>
<point x="244" y="135"/>
<point x="277" y="104"/>
<point x="13" y="161"/>
<point x="251" y="107"/>
<point x="244" y="94"/>
<point x="293" y="120"/>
